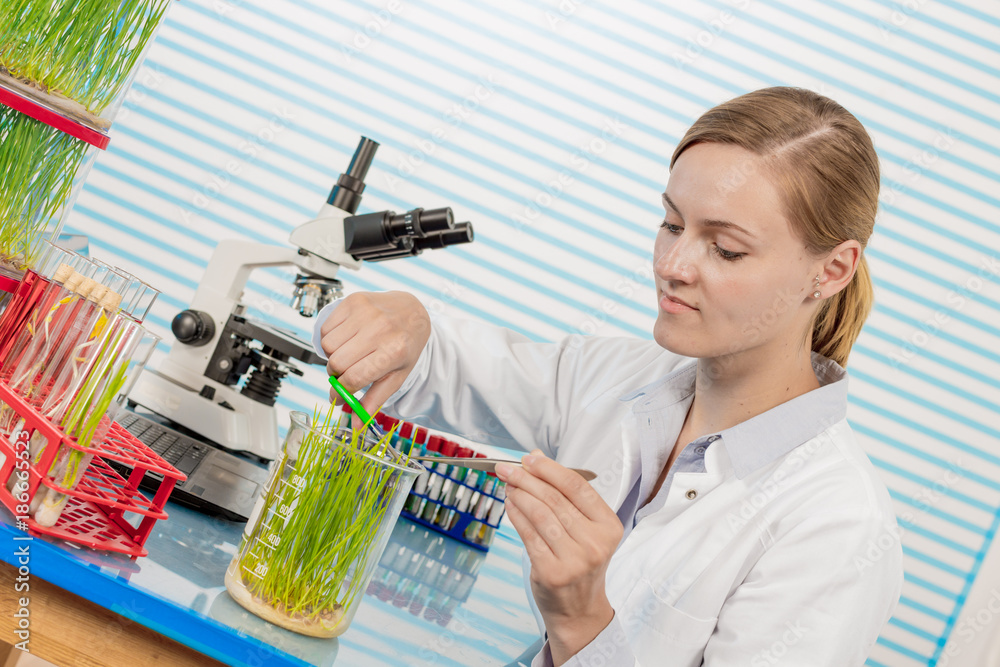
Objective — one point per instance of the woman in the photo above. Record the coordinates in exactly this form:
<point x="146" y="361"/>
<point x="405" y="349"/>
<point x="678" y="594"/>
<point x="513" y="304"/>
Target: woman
<point x="735" y="520"/>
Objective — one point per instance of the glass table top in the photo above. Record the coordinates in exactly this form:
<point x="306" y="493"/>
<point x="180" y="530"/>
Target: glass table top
<point x="432" y="600"/>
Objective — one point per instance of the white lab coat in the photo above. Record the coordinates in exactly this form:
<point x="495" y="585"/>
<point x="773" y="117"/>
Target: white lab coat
<point x="797" y="563"/>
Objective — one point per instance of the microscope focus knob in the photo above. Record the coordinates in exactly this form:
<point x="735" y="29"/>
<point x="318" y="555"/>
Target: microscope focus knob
<point x="193" y="327"/>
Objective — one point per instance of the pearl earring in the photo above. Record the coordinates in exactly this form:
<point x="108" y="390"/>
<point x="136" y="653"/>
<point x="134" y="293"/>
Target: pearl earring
<point x="816" y="293"/>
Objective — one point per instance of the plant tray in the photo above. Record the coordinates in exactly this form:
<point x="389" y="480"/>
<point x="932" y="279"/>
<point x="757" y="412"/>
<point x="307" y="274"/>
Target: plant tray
<point x="95" y="515"/>
<point x="52" y="111"/>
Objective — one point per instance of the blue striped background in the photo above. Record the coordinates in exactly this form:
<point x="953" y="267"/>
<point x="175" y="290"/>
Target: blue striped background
<point x="246" y="111"/>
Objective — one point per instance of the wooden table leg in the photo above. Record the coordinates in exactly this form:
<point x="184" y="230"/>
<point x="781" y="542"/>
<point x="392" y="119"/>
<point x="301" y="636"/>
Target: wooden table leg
<point x="69" y="631"/>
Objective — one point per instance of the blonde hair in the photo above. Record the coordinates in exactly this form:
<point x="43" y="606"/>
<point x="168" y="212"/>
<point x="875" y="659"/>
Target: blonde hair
<point x="825" y="166"/>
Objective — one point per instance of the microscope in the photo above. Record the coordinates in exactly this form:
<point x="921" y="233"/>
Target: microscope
<point x="222" y="376"/>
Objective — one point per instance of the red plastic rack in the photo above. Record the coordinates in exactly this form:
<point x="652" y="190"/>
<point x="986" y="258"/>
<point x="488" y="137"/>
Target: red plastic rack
<point x="95" y="515"/>
<point x="40" y="111"/>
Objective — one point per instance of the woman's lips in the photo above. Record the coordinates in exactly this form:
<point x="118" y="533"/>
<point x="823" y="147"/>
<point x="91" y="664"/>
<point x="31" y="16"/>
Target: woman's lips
<point x="674" y="305"/>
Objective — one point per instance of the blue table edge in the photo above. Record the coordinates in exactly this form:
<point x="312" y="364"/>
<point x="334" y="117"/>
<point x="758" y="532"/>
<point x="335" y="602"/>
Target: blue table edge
<point x="208" y="636"/>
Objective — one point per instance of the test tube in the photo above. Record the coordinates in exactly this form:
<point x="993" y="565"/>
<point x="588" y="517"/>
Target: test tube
<point x="464" y="586"/>
<point x="469" y="495"/>
<point x="138" y="297"/>
<point x="472" y="532"/>
<point x="455" y="492"/>
<point x="404" y="438"/>
<point x="405" y="594"/>
<point x="96" y="400"/>
<point x="50" y="325"/>
<point x="415" y="503"/>
<point x="390" y="555"/>
<point x="439" y="479"/>
<point x="419" y="599"/>
<point x="477" y="487"/>
<point x="84" y="330"/>
<point x="34" y="295"/>
<point x="412" y="568"/>
<point x="496" y="512"/>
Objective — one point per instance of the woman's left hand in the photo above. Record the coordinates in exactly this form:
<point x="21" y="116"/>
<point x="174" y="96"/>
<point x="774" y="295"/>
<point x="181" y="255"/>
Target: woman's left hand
<point x="570" y="534"/>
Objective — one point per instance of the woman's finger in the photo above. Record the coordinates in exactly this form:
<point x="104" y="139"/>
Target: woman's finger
<point x="569" y="484"/>
<point x="561" y="507"/>
<point x="381" y="390"/>
<point x="548" y="523"/>
<point x="348" y="353"/>
<point x="536" y="546"/>
<point x="372" y="367"/>
<point x="337" y="338"/>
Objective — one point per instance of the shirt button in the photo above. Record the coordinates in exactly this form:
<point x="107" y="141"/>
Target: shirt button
<point x="713" y="438"/>
<point x="699" y="450"/>
<point x="691" y="494"/>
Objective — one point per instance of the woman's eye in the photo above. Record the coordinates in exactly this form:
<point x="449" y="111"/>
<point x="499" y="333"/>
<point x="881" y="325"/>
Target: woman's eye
<point x="726" y="254"/>
<point x="673" y="229"/>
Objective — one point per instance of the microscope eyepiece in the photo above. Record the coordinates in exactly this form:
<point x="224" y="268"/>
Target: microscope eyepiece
<point x="437" y="220"/>
<point x="462" y="233"/>
<point x="386" y="234"/>
<point x="346" y="194"/>
<point x="419" y="223"/>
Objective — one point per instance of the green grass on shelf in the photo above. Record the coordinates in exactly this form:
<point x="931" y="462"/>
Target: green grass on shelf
<point x="81" y="49"/>
<point x="38" y="166"/>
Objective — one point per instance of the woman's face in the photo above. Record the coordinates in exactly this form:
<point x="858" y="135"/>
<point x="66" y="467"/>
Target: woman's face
<point x="726" y="250"/>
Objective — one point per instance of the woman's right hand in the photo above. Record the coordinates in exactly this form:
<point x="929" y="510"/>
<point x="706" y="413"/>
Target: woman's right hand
<point x="375" y="338"/>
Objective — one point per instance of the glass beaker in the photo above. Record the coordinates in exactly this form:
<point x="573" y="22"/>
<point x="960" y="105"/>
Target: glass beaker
<point x="318" y="530"/>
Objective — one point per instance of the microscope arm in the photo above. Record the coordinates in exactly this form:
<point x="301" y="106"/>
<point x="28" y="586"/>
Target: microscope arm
<point x="233" y="261"/>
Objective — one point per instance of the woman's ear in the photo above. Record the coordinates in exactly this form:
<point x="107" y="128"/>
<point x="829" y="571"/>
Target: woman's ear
<point x="839" y="267"/>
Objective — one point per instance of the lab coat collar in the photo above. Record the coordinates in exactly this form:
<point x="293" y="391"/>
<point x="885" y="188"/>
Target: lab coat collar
<point x="753" y="444"/>
<point x="673" y="387"/>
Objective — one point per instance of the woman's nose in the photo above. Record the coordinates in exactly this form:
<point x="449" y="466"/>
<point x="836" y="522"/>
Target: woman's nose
<point x="673" y="260"/>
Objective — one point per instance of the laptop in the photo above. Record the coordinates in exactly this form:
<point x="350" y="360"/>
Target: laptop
<point x="218" y="482"/>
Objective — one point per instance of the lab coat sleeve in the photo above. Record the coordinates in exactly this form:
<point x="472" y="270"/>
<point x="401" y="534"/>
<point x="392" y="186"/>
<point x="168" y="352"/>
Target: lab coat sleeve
<point x="608" y="649"/>
<point x="818" y="597"/>
<point x="493" y="385"/>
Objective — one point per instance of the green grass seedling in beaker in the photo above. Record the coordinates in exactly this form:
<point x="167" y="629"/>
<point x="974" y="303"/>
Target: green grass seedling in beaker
<point x="319" y="528"/>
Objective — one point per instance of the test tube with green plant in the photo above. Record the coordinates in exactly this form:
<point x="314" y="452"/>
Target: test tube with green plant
<point x="320" y="527"/>
<point x="53" y="333"/>
<point x="121" y="353"/>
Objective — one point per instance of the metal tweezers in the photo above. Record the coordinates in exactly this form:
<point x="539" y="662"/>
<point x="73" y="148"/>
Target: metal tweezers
<point x="489" y="465"/>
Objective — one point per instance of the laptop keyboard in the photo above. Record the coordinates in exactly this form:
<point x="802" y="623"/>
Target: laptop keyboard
<point x="178" y="450"/>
